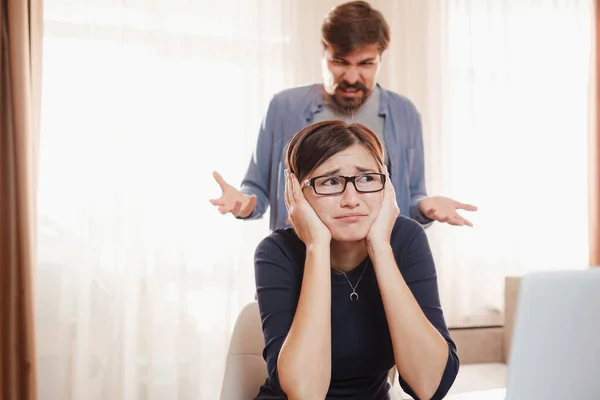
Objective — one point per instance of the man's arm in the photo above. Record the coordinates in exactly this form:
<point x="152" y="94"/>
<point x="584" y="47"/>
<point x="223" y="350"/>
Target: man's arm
<point x="416" y="172"/>
<point x="425" y="209"/>
<point x="257" y="180"/>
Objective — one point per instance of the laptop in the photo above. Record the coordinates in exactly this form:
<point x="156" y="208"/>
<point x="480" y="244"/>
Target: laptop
<point x="555" y="351"/>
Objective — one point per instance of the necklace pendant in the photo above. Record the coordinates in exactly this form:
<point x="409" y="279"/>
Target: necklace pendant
<point x="353" y="296"/>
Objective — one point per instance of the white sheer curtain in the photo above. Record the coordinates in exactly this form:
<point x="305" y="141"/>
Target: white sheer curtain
<point x="503" y="90"/>
<point x="140" y="279"/>
<point x="515" y="135"/>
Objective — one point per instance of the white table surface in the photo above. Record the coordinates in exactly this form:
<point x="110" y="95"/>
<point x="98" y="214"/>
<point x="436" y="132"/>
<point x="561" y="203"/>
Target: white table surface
<point x="494" y="394"/>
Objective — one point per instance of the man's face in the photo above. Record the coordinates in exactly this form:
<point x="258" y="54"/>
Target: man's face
<point x="350" y="78"/>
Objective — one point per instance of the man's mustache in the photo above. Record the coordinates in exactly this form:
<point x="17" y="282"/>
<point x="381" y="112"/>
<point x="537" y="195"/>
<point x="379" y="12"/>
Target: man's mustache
<point x="343" y="85"/>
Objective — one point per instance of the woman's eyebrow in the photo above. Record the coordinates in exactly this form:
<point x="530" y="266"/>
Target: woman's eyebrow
<point x="357" y="167"/>
<point x="362" y="169"/>
<point x="332" y="172"/>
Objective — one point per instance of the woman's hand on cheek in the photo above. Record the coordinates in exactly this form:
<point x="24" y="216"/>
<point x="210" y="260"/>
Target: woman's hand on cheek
<point x="381" y="230"/>
<point x="303" y="218"/>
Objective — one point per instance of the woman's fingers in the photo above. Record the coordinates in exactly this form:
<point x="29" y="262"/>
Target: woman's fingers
<point x="289" y="198"/>
<point x="388" y="181"/>
<point x="288" y="194"/>
<point x="389" y="188"/>
<point x="295" y="186"/>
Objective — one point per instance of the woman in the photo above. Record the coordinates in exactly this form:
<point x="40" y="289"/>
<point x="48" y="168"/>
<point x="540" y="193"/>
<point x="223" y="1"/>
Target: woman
<point x="351" y="290"/>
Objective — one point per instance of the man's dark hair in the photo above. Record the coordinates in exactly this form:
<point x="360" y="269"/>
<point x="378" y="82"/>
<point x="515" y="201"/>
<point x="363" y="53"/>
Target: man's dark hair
<point x="352" y="25"/>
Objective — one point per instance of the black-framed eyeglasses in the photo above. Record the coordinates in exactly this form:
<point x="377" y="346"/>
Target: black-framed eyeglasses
<point x="336" y="184"/>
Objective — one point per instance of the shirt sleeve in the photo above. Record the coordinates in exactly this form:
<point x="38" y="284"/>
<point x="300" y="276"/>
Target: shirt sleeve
<point x="418" y="269"/>
<point x="278" y="282"/>
<point x="257" y="180"/>
<point x="417" y="169"/>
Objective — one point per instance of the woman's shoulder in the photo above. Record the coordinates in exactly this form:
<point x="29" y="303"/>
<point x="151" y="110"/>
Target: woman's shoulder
<point x="281" y="244"/>
<point x="406" y="226"/>
<point x="281" y="238"/>
<point x="406" y="232"/>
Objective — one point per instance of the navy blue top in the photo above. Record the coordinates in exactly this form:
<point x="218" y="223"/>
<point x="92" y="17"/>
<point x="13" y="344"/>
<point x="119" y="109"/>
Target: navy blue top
<point x="361" y="352"/>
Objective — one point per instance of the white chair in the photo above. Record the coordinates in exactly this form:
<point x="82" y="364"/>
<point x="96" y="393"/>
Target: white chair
<point x="245" y="368"/>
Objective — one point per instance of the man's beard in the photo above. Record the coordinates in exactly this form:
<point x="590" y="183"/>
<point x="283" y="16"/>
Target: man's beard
<point x="349" y="105"/>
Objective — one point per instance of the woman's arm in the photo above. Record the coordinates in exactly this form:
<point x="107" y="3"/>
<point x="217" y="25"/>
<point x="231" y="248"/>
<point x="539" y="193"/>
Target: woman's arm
<point x="303" y="333"/>
<point x="425" y="359"/>
<point x="295" y="312"/>
<point x="424" y="353"/>
<point x="304" y="362"/>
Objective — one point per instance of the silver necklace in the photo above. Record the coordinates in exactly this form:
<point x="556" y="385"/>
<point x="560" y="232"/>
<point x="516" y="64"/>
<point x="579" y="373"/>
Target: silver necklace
<point x="353" y="295"/>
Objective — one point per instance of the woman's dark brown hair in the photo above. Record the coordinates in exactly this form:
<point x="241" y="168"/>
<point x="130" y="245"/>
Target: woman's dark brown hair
<point x="315" y="144"/>
<point x="353" y="25"/>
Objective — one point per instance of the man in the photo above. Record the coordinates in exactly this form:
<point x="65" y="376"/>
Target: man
<point x="354" y="37"/>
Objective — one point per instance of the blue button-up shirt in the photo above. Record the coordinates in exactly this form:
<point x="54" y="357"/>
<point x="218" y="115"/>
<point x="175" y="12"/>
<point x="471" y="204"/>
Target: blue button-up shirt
<point x="293" y="109"/>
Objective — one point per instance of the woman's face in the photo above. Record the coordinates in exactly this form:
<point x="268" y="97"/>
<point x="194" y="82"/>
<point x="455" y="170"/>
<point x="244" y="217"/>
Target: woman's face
<point x="348" y="215"/>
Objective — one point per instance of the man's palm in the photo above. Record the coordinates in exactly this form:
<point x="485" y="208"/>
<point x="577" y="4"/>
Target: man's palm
<point x="232" y="200"/>
<point x="444" y="209"/>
